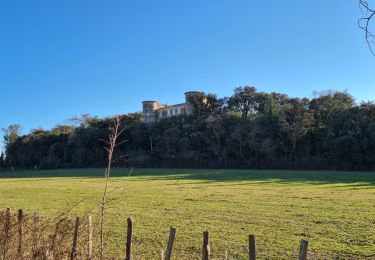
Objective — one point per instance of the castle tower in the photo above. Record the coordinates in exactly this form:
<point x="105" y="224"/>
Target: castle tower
<point x="190" y="98"/>
<point x="149" y="108"/>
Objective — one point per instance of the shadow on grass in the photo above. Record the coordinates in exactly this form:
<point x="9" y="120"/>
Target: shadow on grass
<point x="355" y="179"/>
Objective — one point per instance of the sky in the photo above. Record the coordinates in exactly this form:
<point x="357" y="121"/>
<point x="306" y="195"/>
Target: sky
<point x="60" y="59"/>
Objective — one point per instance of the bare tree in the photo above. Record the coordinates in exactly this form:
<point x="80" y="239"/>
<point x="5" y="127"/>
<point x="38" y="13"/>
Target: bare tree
<point x="365" y="22"/>
<point x="112" y="143"/>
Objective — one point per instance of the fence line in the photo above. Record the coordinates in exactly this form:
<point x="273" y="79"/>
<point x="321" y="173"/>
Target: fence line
<point x="49" y="251"/>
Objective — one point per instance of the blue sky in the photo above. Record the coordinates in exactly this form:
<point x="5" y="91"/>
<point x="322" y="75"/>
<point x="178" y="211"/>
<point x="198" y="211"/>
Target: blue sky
<point x="59" y="59"/>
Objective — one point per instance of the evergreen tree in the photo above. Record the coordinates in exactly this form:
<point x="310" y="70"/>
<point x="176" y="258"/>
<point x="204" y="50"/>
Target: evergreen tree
<point x="2" y="159"/>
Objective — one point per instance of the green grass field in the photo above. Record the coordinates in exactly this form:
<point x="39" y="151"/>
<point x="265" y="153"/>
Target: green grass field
<point x="335" y="211"/>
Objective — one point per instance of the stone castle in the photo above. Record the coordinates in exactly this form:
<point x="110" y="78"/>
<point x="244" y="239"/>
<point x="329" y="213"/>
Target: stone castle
<point x="154" y="111"/>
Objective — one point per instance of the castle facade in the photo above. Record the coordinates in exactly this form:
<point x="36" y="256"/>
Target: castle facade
<point x="154" y="111"/>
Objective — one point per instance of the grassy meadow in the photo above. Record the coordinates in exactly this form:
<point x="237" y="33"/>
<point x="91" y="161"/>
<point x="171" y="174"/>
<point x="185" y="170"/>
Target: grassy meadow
<point x="335" y="211"/>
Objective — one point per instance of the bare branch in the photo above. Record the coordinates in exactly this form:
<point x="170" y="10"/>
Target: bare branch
<point x="119" y="157"/>
<point x="105" y="141"/>
<point x="365" y="22"/>
<point x="120" y="143"/>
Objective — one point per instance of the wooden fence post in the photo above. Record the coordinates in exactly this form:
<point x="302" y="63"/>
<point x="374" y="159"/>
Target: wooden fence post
<point x="90" y="231"/>
<point x="7" y="226"/>
<point x="20" y="234"/>
<point x="129" y="240"/>
<point x="54" y="238"/>
<point x="303" y="250"/>
<point x="35" y="234"/>
<point x="172" y="234"/>
<point x="206" y="246"/>
<point x="75" y="238"/>
<point x="252" y="253"/>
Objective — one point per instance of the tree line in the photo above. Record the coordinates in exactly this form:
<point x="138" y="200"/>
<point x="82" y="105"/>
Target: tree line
<point x="250" y="129"/>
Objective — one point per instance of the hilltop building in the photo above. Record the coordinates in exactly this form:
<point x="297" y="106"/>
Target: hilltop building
<point x="154" y="111"/>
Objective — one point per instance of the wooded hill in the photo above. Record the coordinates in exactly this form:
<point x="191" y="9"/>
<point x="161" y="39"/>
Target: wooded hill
<point x="249" y="129"/>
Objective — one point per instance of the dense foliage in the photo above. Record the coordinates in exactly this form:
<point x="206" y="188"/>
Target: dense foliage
<point x="250" y="129"/>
